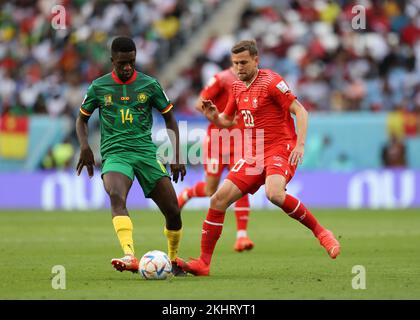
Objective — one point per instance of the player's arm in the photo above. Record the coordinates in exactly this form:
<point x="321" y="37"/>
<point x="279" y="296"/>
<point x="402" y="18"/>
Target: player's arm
<point x="221" y="120"/>
<point x="210" y="92"/>
<point x="86" y="155"/>
<point x="296" y="156"/>
<point x="177" y="166"/>
<point x="86" y="158"/>
<point x="199" y="104"/>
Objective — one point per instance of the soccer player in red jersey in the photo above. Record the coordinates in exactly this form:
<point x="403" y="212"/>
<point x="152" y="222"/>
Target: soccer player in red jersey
<point x="265" y="102"/>
<point x="220" y="152"/>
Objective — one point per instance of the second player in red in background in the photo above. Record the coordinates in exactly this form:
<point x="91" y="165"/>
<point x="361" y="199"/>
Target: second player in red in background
<point x="221" y="151"/>
<point x="275" y="148"/>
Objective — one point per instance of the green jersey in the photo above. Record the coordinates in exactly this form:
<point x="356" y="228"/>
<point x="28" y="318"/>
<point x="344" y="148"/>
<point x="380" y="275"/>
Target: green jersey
<point x="125" y="111"/>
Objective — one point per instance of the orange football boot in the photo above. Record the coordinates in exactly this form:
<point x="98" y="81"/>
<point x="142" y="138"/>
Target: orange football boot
<point x="243" y="243"/>
<point x="127" y="263"/>
<point x="196" y="267"/>
<point x="330" y="243"/>
<point x="183" y="198"/>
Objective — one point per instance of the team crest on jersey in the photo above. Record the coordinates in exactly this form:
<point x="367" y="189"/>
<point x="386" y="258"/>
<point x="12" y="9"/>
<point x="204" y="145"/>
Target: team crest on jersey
<point x="255" y="103"/>
<point x="108" y="100"/>
<point x="142" y="97"/>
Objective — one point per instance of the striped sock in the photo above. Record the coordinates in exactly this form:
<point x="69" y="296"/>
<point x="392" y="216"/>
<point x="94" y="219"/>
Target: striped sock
<point x="212" y="229"/>
<point x="242" y="215"/>
<point x="296" y="210"/>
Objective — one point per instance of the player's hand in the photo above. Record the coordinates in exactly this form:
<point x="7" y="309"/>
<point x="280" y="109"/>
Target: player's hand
<point x="296" y="156"/>
<point x="177" y="169"/>
<point x="86" y="159"/>
<point x="210" y="110"/>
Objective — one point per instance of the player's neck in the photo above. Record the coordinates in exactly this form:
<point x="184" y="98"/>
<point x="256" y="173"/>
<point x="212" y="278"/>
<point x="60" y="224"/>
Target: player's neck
<point x="248" y="83"/>
<point x="119" y="81"/>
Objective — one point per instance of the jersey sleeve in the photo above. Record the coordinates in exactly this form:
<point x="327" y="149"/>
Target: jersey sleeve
<point x="90" y="102"/>
<point x="160" y="100"/>
<point x="212" y="88"/>
<point x="281" y="93"/>
<point x="231" y="105"/>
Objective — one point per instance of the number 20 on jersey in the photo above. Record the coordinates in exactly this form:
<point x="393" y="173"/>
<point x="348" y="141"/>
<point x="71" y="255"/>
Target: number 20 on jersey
<point x="248" y="118"/>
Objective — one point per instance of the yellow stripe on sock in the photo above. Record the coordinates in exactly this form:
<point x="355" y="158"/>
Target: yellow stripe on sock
<point x="124" y="229"/>
<point x="174" y="238"/>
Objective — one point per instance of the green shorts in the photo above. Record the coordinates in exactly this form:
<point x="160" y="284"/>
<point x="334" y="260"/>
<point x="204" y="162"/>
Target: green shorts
<point x="146" y="168"/>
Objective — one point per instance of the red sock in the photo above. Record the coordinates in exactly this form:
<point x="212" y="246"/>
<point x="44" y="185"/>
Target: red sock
<point x="199" y="190"/>
<point x="295" y="209"/>
<point x="212" y="229"/>
<point x="242" y="212"/>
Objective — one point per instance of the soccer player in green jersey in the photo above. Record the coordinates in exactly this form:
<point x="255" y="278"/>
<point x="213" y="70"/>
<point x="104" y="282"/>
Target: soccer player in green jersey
<point x="125" y="99"/>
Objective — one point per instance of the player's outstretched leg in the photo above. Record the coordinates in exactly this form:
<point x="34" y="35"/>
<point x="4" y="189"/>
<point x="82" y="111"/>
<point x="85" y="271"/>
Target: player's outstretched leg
<point x="296" y="210"/>
<point x="117" y="186"/>
<point x="243" y="242"/>
<point x="165" y="198"/>
<point x="199" y="190"/>
<point x="275" y="190"/>
<point x="212" y="228"/>
<point x="124" y="229"/>
<point x="174" y="237"/>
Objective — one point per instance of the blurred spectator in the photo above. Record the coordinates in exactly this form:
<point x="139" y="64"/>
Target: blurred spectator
<point x="48" y="70"/>
<point x="315" y="152"/>
<point x="394" y="153"/>
<point x="59" y="156"/>
<point x="342" y="163"/>
<point x="328" y="64"/>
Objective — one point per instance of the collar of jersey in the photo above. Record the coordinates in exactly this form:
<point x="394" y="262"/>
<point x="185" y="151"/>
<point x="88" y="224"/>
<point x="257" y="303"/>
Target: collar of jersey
<point x="256" y="76"/>
<point x="117" y="80"/>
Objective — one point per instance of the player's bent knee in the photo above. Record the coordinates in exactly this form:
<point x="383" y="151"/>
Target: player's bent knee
<point x="117" y="199"/>
<point x="276" y="197"/>
<point x="218" y="202"/>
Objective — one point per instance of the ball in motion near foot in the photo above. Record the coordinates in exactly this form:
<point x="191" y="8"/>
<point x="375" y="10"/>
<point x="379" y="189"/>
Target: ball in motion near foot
<point x="155" y="265"/>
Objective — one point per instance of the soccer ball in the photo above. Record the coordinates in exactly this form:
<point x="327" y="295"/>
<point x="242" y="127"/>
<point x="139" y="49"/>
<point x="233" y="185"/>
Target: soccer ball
<point x="155" y="265"/>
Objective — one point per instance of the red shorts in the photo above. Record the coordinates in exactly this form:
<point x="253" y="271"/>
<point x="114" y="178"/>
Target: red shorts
<point x="249" y="177"/>
<point x="217" y="157"/>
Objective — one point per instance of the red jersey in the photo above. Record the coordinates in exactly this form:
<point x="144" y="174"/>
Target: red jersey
<point x="264" y="104"/>
<point x="218" y="90"/>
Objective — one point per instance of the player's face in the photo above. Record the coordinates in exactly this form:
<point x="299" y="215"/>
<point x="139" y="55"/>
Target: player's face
<point x="244" y="65"/>
<point x="124" y="64"/>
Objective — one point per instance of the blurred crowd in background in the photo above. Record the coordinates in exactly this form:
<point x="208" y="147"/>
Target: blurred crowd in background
<point x="330" y="63"/>
<point x="43" y="70"/>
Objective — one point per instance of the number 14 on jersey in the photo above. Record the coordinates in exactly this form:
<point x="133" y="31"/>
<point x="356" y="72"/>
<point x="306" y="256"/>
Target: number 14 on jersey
<point x="126" y="116"/>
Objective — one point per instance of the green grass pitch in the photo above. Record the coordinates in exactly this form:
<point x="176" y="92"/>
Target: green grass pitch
<point x="286" y="263"/>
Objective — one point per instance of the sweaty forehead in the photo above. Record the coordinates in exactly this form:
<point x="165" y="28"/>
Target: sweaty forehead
<point x="124" y="56"/>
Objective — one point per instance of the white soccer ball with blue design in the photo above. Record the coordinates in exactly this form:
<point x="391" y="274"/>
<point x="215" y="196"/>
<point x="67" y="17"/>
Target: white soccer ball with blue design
<point x="155" y="265"/>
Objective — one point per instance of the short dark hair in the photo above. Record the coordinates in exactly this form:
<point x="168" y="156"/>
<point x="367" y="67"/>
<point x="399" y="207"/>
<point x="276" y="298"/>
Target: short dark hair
<point x="123" y="44"/>
<point x="246" y="45"/>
